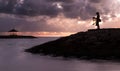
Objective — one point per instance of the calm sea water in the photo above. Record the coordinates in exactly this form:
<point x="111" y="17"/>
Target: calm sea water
<point x="13" y="58"/>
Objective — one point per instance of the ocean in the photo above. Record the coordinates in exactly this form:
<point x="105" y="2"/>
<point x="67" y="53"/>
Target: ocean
<point x="13" y="58"/>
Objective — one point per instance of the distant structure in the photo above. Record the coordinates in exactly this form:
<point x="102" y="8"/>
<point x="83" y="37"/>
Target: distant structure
<point x="97" y="20"/>
<point x="13" y="32"/>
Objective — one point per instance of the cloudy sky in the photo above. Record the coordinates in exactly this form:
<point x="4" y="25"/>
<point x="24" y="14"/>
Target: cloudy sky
<point x="57" y="15"/>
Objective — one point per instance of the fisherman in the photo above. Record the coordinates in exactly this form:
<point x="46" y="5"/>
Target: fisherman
<point x="97" y="20"/>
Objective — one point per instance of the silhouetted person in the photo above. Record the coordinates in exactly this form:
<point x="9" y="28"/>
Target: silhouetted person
<point x="97" y="20"/>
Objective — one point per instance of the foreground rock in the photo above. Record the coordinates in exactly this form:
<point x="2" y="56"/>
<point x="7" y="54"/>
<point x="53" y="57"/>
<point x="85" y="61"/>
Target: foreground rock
<point x="93" y="44"/>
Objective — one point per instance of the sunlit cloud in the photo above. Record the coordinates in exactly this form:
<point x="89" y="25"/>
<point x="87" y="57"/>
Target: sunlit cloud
<point x="58" y="5"/>
<point x="68" y="24"/>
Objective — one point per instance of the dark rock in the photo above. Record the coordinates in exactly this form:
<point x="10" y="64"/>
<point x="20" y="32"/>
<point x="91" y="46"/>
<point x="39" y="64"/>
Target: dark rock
<point x="92" y="44"/>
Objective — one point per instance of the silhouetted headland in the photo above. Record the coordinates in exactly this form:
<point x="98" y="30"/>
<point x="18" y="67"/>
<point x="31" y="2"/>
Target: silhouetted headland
<point x="15" y="36"/>
<point x="92" y="44"/>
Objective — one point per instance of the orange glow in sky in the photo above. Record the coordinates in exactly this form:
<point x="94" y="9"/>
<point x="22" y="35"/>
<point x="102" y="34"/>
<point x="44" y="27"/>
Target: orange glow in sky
<point x="41" y="34"/>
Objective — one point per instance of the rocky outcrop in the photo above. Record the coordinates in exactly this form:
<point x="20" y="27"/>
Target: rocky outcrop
<point x="97" y="44"/>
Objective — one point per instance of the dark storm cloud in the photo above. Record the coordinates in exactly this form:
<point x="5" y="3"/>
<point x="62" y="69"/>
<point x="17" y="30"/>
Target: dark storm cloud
<point x="39" y="7"/>
<point x="6" y="6"/>
<point x="71" y="8"/>
<point x="29" y="7"/>
<point x="84" y="11"/>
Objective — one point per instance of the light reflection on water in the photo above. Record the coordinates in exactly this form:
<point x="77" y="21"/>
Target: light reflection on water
<point x="13" y="58"/>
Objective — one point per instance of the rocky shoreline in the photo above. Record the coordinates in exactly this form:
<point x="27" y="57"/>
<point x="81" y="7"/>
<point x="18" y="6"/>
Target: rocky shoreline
<point x="92" y="44"/>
